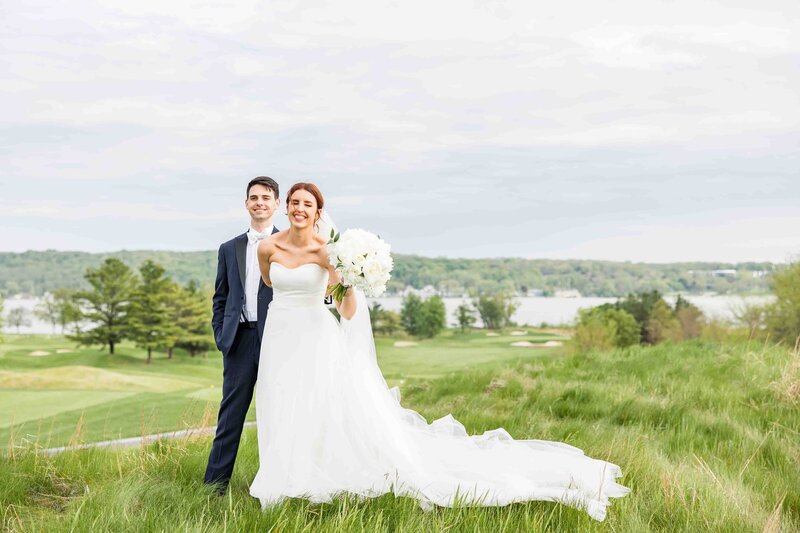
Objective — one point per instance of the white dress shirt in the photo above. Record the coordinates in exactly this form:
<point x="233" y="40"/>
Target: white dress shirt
<point x="252" y="275"/>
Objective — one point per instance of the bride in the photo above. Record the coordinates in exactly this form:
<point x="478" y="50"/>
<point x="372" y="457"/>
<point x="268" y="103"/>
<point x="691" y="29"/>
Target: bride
<point x="328" y="423"/>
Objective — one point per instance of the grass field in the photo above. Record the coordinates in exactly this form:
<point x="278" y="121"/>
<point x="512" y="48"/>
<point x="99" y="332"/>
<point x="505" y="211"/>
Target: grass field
<point x="708" y="436"/>
<point x="77" y="395"/>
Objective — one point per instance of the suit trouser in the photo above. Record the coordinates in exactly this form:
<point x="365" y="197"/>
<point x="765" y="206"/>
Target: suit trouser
<point x="240" y="368"/>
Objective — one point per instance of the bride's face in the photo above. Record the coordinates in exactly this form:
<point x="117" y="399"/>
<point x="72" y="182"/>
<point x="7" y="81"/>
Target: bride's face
<point x="302" y="210"/>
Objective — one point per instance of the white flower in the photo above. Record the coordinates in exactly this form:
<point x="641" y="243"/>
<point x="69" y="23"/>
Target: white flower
<point x="363" y="260"/>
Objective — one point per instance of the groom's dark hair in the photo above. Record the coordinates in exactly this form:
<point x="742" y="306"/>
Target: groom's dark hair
<point x="269" y="183"/>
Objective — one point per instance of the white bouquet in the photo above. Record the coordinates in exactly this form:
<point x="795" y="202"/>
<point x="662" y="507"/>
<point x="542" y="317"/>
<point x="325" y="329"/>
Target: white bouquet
<point x="363" y="261"/>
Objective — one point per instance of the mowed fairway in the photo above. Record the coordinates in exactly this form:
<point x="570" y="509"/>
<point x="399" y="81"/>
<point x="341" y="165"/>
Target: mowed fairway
<point x="707" y="435"/>
<point x="77" y="395"/>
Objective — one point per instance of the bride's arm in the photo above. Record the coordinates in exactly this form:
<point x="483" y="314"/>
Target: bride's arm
<point x="348" y="306"/>
<point x="264" y="251"/>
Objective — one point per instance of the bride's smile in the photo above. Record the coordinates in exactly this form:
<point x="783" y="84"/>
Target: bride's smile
<point x="302" y="209"/>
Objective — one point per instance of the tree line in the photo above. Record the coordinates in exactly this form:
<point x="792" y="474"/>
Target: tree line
<point x="427" y="318"/>
<point x="646" y="318"/>
<point x="148" y="308"/>
<point x="157" y="313"/>
<point x="37" y="273"/>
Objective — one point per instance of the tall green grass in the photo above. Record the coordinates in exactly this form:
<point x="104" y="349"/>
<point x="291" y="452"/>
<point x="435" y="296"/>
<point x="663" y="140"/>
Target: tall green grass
<point x="708" y="436"/>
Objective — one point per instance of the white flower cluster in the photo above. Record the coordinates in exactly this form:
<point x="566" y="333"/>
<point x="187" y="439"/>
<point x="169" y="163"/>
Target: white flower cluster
<point x="362" y="259"/>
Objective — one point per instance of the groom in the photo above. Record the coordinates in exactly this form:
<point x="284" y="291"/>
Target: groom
<point x="240" y="309"/>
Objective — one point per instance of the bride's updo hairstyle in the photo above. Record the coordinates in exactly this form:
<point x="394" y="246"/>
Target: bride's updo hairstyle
<point x="311" y="188"/>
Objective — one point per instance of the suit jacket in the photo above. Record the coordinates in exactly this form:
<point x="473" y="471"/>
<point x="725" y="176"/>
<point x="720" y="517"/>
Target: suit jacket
<point x="228" y="300"/>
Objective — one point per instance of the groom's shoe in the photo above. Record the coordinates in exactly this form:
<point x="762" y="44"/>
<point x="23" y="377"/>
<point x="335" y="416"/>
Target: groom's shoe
<point x="219" y="488"/>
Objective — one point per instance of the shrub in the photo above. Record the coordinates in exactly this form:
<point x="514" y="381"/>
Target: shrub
<point x="783" y="316"/>
<point x="605" y="327"/>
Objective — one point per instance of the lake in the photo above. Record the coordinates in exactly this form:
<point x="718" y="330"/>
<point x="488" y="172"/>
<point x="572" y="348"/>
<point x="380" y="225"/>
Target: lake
<point x="532" y="311"/>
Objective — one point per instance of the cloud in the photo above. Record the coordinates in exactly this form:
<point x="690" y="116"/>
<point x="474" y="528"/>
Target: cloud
<point x="416" y="117"/>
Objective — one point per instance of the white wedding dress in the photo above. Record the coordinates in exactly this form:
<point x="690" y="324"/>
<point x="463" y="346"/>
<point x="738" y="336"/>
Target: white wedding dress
<point x="328" y="424"/>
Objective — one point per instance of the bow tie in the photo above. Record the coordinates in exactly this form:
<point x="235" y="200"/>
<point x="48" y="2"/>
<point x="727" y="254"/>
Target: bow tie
<point x="254" y="236"/>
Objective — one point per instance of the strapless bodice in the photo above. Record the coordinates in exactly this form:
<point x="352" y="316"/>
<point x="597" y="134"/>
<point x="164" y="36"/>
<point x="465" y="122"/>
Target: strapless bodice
<point x="303" y="286"/>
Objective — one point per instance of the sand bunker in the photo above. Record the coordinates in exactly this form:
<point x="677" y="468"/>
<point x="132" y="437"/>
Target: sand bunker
<point x="404" y="344"/>
<point x="518" y="333"/>
<point x="528" y="344"/>
<point x="492" y="334"/>
<point x="39" y="353"/>
<point x="62" y="350"/>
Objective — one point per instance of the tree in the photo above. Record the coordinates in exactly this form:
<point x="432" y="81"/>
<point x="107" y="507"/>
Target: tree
<point x="662" y="324"/>
<point x="389" y="323"/>
<point x="192" y="311"/>
<point x="383" y="321"/>
<point x="151" y="322"/>
<point x="423" y="318"/>
<point x="68" y="311"/>
<point x="410" y="312"/>
<point x="106" y="304"/>
<point x="375" y="311"/>
<point x="783" y="315"/>
<point x="751" y="316"/>
<point x="640" y="306"/>
<point x="47" y="310"/>
<point x="495" y="311"/>
<point x="18" y="317"/>
<point x="605" y="326"/>
<point x="465" y="316"/>
<point x="433" y="318"/>
<point x="593" y="333"/>
<point x="690" y="317"/>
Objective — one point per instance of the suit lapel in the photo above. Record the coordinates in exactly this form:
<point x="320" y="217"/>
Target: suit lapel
<point x="241" y="255"/>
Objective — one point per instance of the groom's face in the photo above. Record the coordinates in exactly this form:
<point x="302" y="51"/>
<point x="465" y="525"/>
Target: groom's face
<point x="261" y="203"/>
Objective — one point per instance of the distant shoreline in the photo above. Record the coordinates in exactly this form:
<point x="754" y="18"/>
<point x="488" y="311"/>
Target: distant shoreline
<point x="532" y="311"/>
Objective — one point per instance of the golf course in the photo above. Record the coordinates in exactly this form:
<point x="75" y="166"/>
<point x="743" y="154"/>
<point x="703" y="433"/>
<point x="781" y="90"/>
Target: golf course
<point x="707" y="435"/>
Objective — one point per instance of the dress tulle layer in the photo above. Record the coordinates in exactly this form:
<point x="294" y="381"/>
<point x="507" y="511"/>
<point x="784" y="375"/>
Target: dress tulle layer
<point x="328" y="424"/>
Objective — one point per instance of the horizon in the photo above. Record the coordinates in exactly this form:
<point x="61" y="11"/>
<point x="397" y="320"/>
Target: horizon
<point x="145" y="250"/>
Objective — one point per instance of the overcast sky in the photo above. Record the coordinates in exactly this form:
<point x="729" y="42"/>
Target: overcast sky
<point x="632" y="130"/>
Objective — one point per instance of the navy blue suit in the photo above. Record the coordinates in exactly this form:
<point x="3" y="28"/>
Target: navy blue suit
<point x="240" y="347"/>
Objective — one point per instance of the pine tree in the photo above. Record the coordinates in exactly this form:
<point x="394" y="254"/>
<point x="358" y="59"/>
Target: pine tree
<point x="192" y="310"/>
<point x="151" y="322"/>
<point x="106" y="304"/>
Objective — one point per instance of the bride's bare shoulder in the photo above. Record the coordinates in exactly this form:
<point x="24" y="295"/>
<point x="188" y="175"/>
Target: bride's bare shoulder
<point x="274" y="242"/>
<point x="279" y="239"/>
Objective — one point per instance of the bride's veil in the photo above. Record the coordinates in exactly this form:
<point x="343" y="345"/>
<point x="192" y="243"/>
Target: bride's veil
<point x="358" y="330"/>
